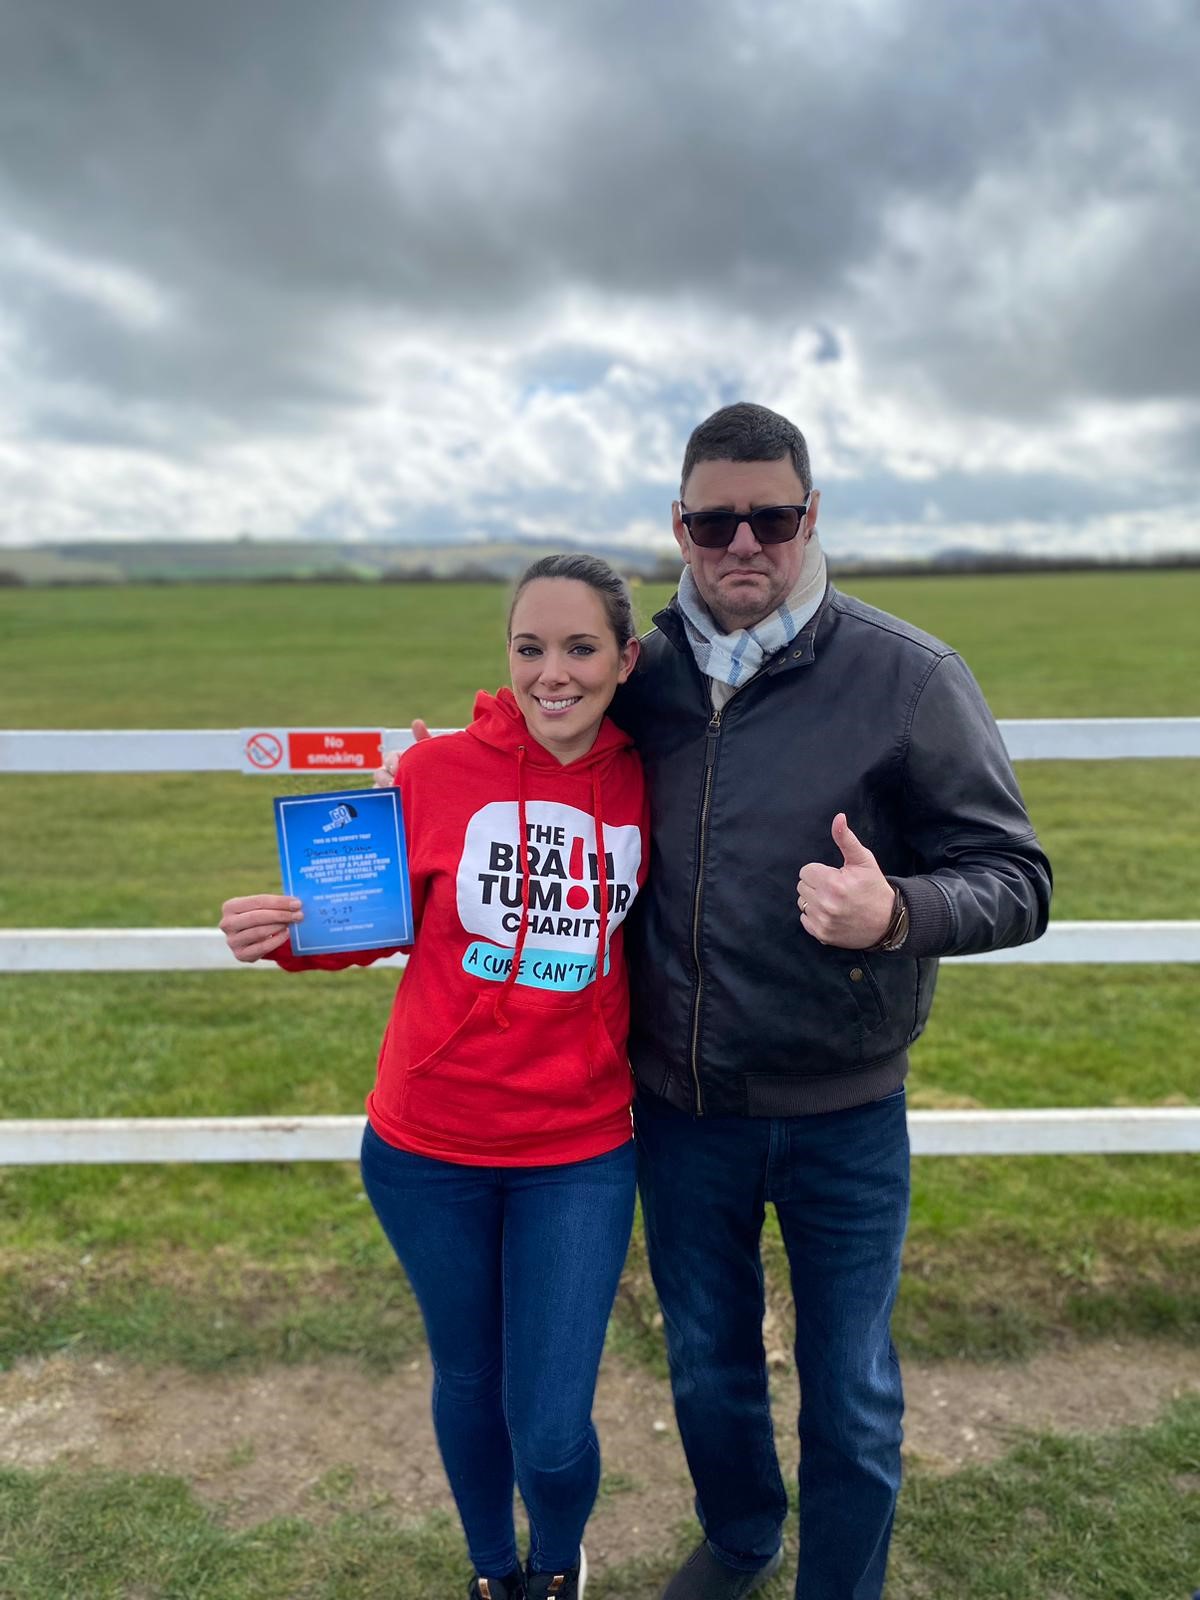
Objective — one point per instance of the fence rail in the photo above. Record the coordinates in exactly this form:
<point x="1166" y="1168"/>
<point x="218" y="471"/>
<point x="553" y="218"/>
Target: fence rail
<point x="269" y="751"/>
<point x="205" y="950"/>
<point x="1083" y="1130"/>
<point x="346" y="751"/>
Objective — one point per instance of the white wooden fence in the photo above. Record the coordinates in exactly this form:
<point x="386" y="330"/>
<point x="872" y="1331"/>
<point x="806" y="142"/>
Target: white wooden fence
<point x="234" y="749"/>
<point x="341" y="752"/>
<point x="1085" y="1131"/>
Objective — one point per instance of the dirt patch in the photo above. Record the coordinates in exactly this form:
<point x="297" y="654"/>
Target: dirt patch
<point x="315" y="1439"/>
<point x="959" y="1412"/>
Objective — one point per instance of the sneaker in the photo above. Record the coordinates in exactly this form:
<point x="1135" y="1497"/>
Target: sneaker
<point x="703" y="1577"/>
<point x="510" y="1588"/>
<point x="566" y="1585"/>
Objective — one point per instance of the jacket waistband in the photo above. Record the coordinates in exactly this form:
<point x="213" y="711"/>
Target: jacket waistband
<point x="775" y="1094"/>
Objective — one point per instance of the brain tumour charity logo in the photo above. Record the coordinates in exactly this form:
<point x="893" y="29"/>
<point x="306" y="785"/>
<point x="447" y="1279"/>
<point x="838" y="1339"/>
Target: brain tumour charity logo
<point x="564" y="875"/>
<point x="339" y="816"/>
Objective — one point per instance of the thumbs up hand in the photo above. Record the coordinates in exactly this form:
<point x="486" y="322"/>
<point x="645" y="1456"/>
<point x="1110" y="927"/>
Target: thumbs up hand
<point x="848" y="906"/>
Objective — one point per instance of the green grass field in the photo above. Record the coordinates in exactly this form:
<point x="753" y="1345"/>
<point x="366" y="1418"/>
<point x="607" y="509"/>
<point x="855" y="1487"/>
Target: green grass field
<point x="213" y="1265"/>
<point x="1076" y="1519"/>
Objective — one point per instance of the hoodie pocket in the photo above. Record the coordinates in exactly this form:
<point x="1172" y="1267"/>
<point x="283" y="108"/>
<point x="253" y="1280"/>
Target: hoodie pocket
<point x="481" y="1003"/>
<point x="486" y="1084"/>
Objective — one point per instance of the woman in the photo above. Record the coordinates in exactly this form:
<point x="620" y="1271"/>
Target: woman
<point x="497" y="1152"/>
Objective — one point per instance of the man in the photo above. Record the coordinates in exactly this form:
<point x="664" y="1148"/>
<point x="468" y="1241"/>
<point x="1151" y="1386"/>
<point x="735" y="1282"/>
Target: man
<point x="833" y="809"/>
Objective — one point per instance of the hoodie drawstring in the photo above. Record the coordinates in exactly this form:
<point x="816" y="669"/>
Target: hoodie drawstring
<point x="596" y="1032"/>
<point x="596" y="1025"/>
<point x="498" y="1010"/>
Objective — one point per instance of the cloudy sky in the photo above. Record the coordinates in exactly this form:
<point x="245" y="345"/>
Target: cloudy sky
<point x="416" y="271"/>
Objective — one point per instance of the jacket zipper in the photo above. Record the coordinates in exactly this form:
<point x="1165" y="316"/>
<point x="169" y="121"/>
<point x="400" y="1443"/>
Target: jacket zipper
<point x="710" y="758"/>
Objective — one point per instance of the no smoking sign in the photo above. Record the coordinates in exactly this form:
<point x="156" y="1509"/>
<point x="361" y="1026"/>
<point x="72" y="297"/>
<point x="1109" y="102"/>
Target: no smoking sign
<point x="311" y="749"/>
<point x="261" y="752"/>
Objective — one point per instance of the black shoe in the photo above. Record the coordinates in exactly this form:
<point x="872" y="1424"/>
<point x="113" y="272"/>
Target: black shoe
<point x="510" y="1588"/>
<point x="703" y="1577"/>
<point x="566" y="1585"/>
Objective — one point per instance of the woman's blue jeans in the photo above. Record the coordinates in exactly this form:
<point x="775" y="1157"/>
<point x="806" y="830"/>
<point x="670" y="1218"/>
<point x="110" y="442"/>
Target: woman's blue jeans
<point x="839" y="1184"/>
<point x="515" y="1270"/>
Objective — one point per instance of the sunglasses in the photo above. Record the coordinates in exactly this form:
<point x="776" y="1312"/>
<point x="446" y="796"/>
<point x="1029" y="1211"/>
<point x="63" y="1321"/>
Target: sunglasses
<point x="713" y="530"/>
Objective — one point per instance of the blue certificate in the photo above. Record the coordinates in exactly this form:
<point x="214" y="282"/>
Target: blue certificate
<point x="344" y="857"/>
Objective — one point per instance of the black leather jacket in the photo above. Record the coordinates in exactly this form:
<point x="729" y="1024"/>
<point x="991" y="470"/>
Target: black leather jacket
<point x="737" y="1009"/>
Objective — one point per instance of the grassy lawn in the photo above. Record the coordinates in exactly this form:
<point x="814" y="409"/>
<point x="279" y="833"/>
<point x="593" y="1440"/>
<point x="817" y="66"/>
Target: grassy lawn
<point x="217" y="1265"/>
<point x="259" y="1261"/>
<point x="252" y="1262"/>
<point x="1073" y="644"/>
<point x="1077" y="1519"/>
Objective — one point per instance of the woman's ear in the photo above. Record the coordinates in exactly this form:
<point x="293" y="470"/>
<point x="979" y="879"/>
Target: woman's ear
<point x="629" y="657"/>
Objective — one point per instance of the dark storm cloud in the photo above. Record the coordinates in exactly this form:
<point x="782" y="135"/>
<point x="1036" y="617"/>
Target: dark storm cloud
<point x="277" y="170"/>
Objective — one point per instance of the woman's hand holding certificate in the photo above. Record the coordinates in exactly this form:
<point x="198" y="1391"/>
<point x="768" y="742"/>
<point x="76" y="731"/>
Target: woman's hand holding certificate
<point x="256" y="924"/>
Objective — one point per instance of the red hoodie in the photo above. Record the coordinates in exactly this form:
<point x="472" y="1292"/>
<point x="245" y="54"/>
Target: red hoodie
<point x="489" y="1061"/>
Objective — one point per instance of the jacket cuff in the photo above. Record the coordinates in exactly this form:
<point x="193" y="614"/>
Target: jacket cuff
<point x="929" y="920"/>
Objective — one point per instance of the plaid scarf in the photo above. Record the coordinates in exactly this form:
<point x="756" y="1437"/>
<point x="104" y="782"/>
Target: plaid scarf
<point x="734" y="658"/>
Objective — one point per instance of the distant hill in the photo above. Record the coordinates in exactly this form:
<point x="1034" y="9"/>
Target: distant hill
<point x="288" y="561"/>
<point x="178" y="561"/>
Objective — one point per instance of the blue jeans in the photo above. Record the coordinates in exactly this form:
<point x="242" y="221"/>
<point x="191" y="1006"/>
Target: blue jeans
<point x="839" y="1183"/>
<point x="515" y="1270"/>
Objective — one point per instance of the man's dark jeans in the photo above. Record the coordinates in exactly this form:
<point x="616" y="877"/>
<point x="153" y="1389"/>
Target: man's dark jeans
<point x="839" y="1183"/>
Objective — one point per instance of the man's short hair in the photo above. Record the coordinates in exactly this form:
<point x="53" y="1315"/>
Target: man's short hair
<point x="745" y="432"/>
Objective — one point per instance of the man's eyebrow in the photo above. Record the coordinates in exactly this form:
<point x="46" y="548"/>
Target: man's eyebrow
<point x="755" y="505"/>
